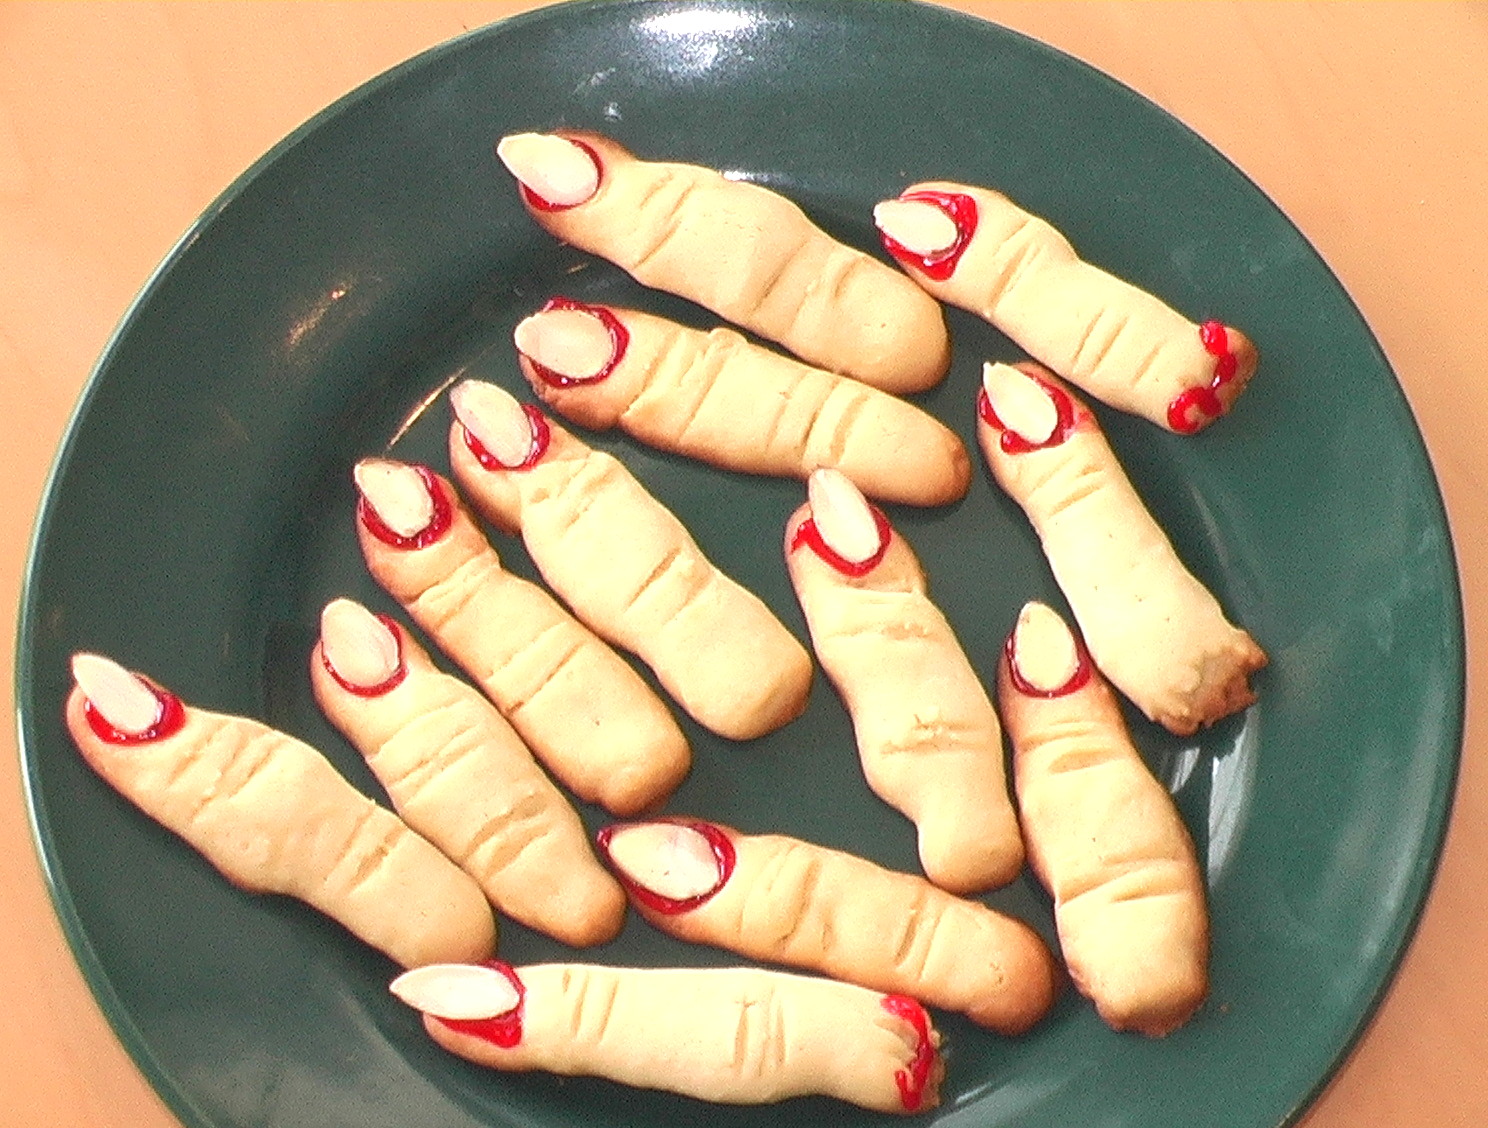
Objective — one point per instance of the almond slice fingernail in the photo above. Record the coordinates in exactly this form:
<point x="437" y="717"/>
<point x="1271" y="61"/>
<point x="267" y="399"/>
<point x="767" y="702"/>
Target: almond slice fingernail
<point x="401" y="504"/>
<point x="571" y="342"/>
<point x="1020" y="402"/>
<point x="670" y="866"/>
<point x="1045" y="658"/>
<point x="843" y="516"/>
<point x="502" y="427"/>
<point x="125" y="701"/>
<point x="458" y="992"/>
<point x="560" y="173"/>
<point x="916" y="225"/>
<point x="360" y="649"/>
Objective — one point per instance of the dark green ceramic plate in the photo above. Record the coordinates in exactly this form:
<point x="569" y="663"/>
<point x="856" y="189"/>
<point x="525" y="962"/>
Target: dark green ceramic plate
<point x="200" y="514"/>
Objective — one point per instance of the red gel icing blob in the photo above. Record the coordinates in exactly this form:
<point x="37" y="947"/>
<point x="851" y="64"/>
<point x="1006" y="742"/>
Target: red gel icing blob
<point x="1076" y="680"/>
<point x="940" y="264"/>
<point x="913" y="1081"/>
<point x="540" y="204"/>
<point x="808" y="534"/>
<point x="503" y="1030"/>
<point x="168" y="720"/>
<point x="619" y="342"/>
<point x="542" y="434"/>
<point x="391" y="682"/>
<point x="444" y="514"/>
<point x="723" y="854"/>
<point x="1014" y="443"/>
<point x="1194" y="407"/>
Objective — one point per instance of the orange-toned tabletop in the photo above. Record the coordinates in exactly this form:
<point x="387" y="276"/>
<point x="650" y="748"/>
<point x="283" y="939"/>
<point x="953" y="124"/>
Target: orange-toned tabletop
<point x="120" y="122"/>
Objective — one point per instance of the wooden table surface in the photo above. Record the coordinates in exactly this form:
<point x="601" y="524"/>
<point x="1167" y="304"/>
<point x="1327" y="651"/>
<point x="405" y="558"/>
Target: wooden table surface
<point x="1366" y="123"/>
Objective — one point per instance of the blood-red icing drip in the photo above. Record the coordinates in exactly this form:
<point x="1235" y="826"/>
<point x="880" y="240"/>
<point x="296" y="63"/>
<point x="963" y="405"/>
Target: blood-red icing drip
<point x="723" y="854"/>
<point x="540" y="204"/>
<point x="913" y="1081"/>
<point x="940" y="264"/>
<point x="1194" y="407"/>
<point x="1076" y="680"/>
<point x="503" y="1030"/>
<point x="542" y="434"/>
<point x="444" y="514"/>
<point x="808" y="534"/>
<point x="619" y="342"/>
<point x="391" y="682"/>
<point x="168" y="720"/>
<point x="1014" y="443"/>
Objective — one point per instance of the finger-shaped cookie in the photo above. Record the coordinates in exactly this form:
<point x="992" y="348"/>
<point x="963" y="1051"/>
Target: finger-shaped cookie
<point x="627" y="566"/>
<point x="459" y="774"/>
<point x="927" y="734"/>
<point x="273" y="816"/>
<point x="741" y="250"/>
<point x="974" y="248"/>
<point x="1153" y="628"/>
<point x="785" y="901"/>
<point x="728" y="1035"/>
<point x="718" y="398"/>
<point x="1103" y="835"/>
<point x="581" y="708"/>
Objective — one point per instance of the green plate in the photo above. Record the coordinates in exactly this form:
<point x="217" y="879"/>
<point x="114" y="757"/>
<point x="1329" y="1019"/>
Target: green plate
<point x="200" y="514"/>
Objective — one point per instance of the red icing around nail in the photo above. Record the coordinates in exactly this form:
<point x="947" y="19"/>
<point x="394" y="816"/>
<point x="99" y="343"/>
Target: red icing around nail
<point x="444" y="515"/>
<point x="723" y="854"/>
<point x="540" y="204"/>
<point x="542" y="434"/>
<point x="1014" y="443"/>
<point x="503" y="1030"/>
<point x="808" y="534"/>
<point x="168" y="720"/>
<point x="1192" y="408"/>
<point x="391" y="682"/>
<point x="619" y="342"/>
<point x="913" y="1081"/>
<point x="1076" y="680"/>
<point x="941" y="264"/>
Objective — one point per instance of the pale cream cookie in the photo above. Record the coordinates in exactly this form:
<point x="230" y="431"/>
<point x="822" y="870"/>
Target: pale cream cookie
<point x="974" y="248"/>
<point x="741" y="250"/>
<point x="718" y="398"/>
<point x="1103" y="835"/>
<point x="273" y="816"/>
<point x="1153" y="628"/>
<point x="729" y="1035"/>
<point x="927" y="734"/>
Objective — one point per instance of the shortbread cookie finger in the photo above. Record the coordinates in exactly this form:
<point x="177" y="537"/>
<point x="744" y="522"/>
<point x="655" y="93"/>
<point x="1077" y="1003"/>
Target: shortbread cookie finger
<point x="458" y="774"/>
<point x="975" y="248"/>
<point x="927" y="733"/>
<point x="785" y="901"/>
<point x="1152" y="627"/>
<point x="743" y="251"/>
<point x="273" y="816"/>
<point x="718" y="398"/>
<point x="728" y="1035"/>
<point x="581" y="708"/>
<point x="627" y="566"/>
<point x="1103" y="835"/>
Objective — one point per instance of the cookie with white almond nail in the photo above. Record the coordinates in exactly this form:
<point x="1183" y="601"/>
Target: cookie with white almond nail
<point x="1103" y="835"/>
<point x="587" y="715"/>
<point x="974" y="248"/>
<point x="786" y="901"/>
<point x="629" y="568"/>
<point x="718" y="398"/>
<point x="743" y="251"/>
<point x="1153" y="628"/>
<point x="459" y="774"/>
<point x="729" y="1035"/>
<point x="927" y="733"/>
<point x="273" y="816"/>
